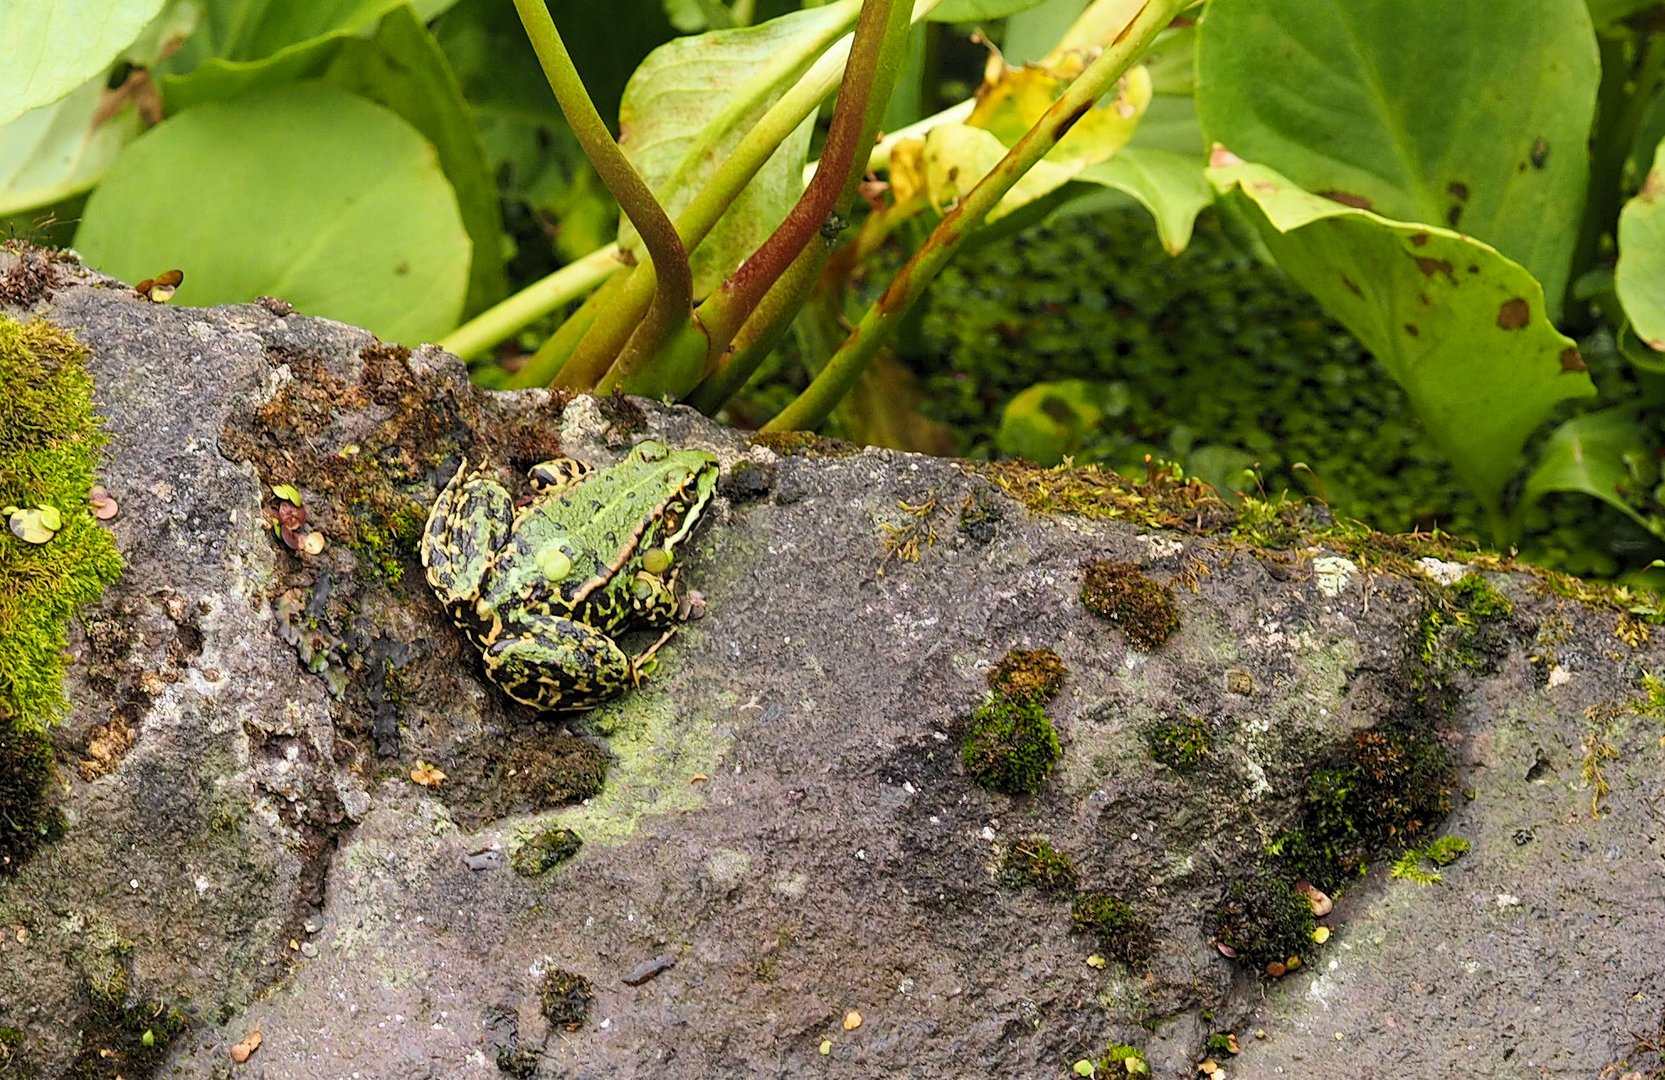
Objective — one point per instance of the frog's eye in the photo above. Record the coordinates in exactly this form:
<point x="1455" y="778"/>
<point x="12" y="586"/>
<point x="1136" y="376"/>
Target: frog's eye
<point x="554" y="563"/>
<point x="656" y="560"/>
<point x="651" y="450"/>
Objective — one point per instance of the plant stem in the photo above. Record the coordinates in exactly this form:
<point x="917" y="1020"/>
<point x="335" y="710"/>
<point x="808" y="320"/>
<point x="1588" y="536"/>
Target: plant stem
<point x="881" y="38"/>
<point x="538" y="299"/>
<point x="700" y="216"/>
<point x="845" y="367"/>
<point x="672" y="298"/>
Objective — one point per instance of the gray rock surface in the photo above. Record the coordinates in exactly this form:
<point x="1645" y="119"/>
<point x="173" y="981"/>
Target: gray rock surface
<point x="787" y="833"/>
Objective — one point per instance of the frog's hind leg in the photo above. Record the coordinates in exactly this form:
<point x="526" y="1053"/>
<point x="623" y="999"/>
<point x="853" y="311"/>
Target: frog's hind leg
<point x="549" y="662"/>
<point x="557" y="475"/>
<point x="469" y="522"/>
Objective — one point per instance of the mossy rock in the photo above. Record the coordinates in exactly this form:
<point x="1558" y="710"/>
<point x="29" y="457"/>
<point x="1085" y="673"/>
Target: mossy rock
<point x="1035" y="863"/>
<point x="1121" y="934"/>
<point x="545" y="850"/>
<point x="1029" y="674"/>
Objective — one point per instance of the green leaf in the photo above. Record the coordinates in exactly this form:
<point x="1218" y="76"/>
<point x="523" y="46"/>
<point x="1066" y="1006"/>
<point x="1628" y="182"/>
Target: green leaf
<point x="1604" y="455"/>
<point x="403" y="69"/>
<point x="246" y="45"/>
<point x="1459" y="326"/>
<point x="693" y="100"/>
<point x="1605" y="12"/>
<point x="61" y="149"/>
<point x="1031" y="33"/>
<point x="1416" y="109"/>
<point x="53" y="47"/>
<point x="1171" y="186"/>
<point x="978" y="10"/>
<point x="1639" y="277"/>
<point x="360" y="227"/>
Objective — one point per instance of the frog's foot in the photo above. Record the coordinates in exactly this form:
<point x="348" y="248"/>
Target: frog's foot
<point x="469" y="522"/>
<point x="557" y="475"/>
<point x="551" y="663"/>
<point x="645" y="662"/>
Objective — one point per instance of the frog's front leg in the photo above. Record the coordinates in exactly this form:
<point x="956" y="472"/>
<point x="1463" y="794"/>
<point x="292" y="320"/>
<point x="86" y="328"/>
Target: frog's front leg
<point x="469" y="523"/>
<point x="550" y="662"/>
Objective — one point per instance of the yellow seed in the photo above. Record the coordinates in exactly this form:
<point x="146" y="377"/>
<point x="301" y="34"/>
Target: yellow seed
<point x="1321" y="934"/>
<point x="852" y="1020"/>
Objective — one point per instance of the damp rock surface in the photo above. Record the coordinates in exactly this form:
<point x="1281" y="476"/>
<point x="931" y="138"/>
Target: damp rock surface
<point x="294" y="800"/>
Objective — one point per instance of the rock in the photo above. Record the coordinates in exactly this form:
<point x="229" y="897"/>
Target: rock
<point x="277" y="699"/>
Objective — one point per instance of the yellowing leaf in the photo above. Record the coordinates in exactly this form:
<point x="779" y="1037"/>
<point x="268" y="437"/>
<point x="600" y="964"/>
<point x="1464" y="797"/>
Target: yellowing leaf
<point x="427" y="775"/>
<point x="1009" y="106"/>
<point x="28" y="527"/>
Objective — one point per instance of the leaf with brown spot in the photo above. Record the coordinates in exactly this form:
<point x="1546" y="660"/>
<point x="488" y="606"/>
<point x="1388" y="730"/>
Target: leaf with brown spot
<point x="1430" y="267"/>
<point x="1514" y="314"/>
<point x="1572" y="360"/>
<point x="1347" y="198"/>
<point x="1480" y="385"/>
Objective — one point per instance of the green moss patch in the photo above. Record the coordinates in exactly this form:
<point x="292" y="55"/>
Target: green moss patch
<point x="1035" y="863"/>
<point x="541" y="773"/>
<point x="1029" y="674"/>
<point x="565" y="998"/>
<point x="1121" y="934"/>
<point x="1179" y="743"/>
<point x="544" y="850"/>
<point x="1010" y="746"/>
<point x="1263" y="921"/>
<point x="124" y="1036"/>
<point x="49" y="446"/>
<point x="1391" y="787"/>
<point x="1144" y="610"/>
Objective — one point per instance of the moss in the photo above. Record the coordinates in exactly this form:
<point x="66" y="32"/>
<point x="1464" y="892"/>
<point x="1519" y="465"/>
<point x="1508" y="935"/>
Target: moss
<point x="1144" y="610"/>
<point x="12" y="1064"/>
<point x="544" y="850"/>
<point x="1166" y="500"/>
<point x="1391" y="786"/>
<point x="1010" y="746"/>
<point x="123" y="1035"/>
<point x="49" y="447"/>
<point x="1180" y="744"/>
<point x="387" y="542"/>
<point x="1477" y="596"/>
<point x="1121" y="1060"/>
<point x="520" y="1062"/>
<point x="28" y="817"/>
<point x="1441" y="852"/>
<point x="1458" y="626"/>
<point x="803" y="444"/>
<point x="565" y="998"/>
<point x="541" y="774"/>
<point x="1264" y="921"/>
<point x="1121" y="934"/>
<point x="1037" y="864"/>
<point x="1028" y="675"/>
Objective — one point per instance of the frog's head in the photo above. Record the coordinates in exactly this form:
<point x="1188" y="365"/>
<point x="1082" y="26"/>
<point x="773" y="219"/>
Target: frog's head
<point x="685" y="479"/>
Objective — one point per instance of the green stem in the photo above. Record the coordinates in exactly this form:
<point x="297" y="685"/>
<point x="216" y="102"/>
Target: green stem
<point x="614" y="327"/>
<point x="476" y="336"/>
<point x="875" y="55"/>
<point x="846" y="365"/>
<point x="673" y="297"/>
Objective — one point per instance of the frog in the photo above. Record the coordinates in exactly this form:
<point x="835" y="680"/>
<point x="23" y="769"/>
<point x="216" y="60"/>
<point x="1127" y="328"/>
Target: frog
<point x="545" y="591"/>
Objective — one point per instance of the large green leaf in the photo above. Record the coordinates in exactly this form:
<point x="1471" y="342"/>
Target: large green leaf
<point x="693" y="100"/>
<point x="307" y="193"/>
<point x="403" y="69"/>
<point x="53" y="46"/>
<point x="1171" y="186"/>
<point x="1601" y="454"/>
<point x="1468" y="115"/>
<point x="1462" y="328"/>
<point x="61" y="149"/>
<point x="1640" y="274"/>
<point x="979" y="10"/>
<point x="244" y="45"/>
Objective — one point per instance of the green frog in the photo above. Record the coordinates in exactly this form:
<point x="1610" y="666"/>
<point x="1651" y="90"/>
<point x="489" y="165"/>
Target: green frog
<point x="545" y="590"/>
